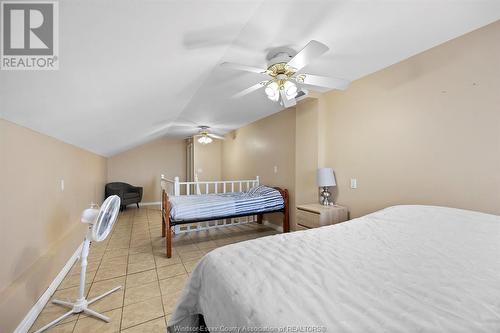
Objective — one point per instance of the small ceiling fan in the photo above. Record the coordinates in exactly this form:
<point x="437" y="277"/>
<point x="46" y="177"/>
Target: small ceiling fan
<point x="286" y="83"/>
<point x="205" y="136"/>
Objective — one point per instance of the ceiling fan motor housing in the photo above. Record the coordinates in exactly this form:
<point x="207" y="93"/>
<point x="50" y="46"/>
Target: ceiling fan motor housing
<point x="280" y="54"/>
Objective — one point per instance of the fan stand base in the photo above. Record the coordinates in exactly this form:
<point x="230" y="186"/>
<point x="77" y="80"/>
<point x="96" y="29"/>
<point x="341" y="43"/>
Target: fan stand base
<point x="81" y="305"/>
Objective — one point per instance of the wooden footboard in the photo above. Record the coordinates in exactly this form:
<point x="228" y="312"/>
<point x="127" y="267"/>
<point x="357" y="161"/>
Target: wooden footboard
<point x="166" y="229"/>
<point x="286" y="210"/>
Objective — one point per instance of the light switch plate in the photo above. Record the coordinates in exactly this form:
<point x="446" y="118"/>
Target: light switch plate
<point x="62" y="185"/>
<point x="354" y="183"/>
<point x="275" y="169"/>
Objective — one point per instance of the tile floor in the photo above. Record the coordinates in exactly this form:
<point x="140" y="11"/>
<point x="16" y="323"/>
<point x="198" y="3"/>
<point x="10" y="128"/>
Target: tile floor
<point x="133" y="256"/>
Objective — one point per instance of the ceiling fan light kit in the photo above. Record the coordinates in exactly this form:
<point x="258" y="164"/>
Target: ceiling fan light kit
<point x="205" y="137"/>
<point x="286" y="84"/>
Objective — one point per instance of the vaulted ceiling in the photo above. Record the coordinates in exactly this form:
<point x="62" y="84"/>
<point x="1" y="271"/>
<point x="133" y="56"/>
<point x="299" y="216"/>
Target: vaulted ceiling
<point x="131" y="71"/>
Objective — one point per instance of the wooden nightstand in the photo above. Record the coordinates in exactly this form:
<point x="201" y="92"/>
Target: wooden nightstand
<point x="316" y="215"/>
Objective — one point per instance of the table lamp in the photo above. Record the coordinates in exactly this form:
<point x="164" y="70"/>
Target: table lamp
<point x="325" y="178"/>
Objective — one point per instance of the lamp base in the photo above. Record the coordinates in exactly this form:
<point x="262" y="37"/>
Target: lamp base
<point x="325" y="197"/>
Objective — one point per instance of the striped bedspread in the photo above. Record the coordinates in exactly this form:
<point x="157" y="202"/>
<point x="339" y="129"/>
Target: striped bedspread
<point x="194" y="207"/>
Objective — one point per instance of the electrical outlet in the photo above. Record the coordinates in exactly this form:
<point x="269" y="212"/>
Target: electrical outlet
<point x="275" y="169"/>
<point x="354" y="183"/>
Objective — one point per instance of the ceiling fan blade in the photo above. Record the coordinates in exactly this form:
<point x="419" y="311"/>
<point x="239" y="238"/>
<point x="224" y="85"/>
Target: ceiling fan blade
<point x="245" y="68"/>
<point x="323" y="81"/>
<point x="250" y="89"/>
<point x="312" y="50"/>
<point x="215" y="136"/>
<point x="287" y="102"/>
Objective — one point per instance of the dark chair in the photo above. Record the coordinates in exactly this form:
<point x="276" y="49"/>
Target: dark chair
<point x="128" y="194"/>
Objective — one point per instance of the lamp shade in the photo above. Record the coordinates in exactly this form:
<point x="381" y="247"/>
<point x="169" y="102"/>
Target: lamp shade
<point x="325" y="177"/>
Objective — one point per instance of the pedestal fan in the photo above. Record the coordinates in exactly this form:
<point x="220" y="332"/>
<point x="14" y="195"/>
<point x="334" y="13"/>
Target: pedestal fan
<point x="100" y="223"/>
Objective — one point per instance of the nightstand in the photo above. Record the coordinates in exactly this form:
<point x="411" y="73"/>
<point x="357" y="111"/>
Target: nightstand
<point x="316" y="215"/>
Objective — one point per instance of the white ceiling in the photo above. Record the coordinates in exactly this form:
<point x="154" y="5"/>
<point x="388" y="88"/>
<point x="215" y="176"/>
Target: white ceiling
<point x="130" y="69"/>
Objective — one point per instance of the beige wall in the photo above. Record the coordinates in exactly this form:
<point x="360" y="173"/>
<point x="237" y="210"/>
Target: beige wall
<point x="208" y="160"/>
<point x="307" y="151"/>
<point x="424" y="131"/>
<point x="142" y="166"/>
<point x="40" y="225"/>
<point x="255" y="149"/>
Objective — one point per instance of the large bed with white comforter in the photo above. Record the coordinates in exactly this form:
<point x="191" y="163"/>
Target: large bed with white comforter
<point x="401" y="269"/>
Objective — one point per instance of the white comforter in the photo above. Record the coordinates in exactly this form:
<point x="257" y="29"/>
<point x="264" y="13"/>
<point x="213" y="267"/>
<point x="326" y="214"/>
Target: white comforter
<point x="402" y="269"/>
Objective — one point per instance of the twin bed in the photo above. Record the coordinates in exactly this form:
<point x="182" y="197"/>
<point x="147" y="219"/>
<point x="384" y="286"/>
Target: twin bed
<point x="401" y="269"/>
<point x="223" y="204"/>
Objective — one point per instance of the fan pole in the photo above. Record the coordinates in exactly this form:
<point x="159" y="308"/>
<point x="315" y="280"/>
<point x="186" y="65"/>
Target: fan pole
<point x="83" y="271"/>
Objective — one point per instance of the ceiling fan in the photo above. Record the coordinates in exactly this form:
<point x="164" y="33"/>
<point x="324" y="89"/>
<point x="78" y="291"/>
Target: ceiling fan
<point x="286" y="83"/>
<point x="205" y="136"/>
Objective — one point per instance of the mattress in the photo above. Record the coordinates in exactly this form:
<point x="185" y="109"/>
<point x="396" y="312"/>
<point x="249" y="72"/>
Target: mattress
<point x="196" y="207"/>
<point x="401" y="269"/>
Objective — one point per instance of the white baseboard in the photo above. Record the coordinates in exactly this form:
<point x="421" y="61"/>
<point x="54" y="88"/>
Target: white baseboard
<point x="30" y="318"/>
<point x="154" y="203"/>
<point x="272" y="225"/>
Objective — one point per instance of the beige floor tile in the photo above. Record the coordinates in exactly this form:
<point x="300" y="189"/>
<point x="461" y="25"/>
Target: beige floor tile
<point x="140" y="257"/>
<point x="64" y="328"/>
<point x="111" y="272"/>
<point x="210" y="244"/>
<point x="162" y="260"/>
<point x="227" y="241"/>
<point x="113" y="253"/>
<point x="158" y="243"/>
<point x="101" y="246"/>
<point x="91" y="324"/>
<point x="141" y="264"/>
<point x="141" y="293"/>
<point x="190" y="265"/>
<point x="74" y="280"/>
<point x="48" y="314"/>
<point x="191" y="255"/>
<point x="170" y="300"/>
<point x="170" y="271"/>
<point x="122" y="244"/>
<point x="205" y="251"/>
<point x="173" y="284"/>
<point x="118" y="238"/>
<point x="97" y="249"/>
<point x="186" y="248"/>
<point x="153" y="326"/>
<point x="110" y="302"/>
<point x="140" y="243"/>
<point x="94" y="258"/>
<point x="141" y="233"/>
<point x="138" y="279"/>
<point x="155" y="229"/>
<point x="141" y="312"/>
<point x="69" y="294"/>
<point x="141" y="249"/>
<point x="119" y="260"/>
